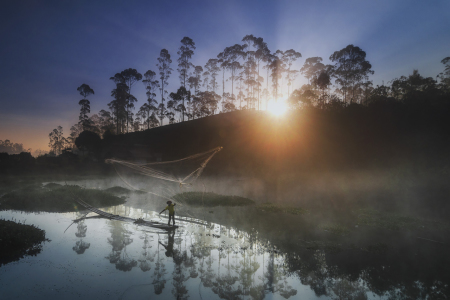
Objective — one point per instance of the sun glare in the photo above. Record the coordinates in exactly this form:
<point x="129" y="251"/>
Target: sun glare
<point x="277" y="107"/>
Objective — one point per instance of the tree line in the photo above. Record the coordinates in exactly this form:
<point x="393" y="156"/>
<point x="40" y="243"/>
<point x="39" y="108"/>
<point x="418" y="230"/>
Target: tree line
<point x="243" y="76"/>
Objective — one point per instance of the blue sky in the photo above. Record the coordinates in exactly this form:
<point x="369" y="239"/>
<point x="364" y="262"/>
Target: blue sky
<point x="49" y="48"/>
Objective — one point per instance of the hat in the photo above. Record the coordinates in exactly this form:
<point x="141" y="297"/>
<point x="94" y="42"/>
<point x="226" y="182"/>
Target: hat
<point x="168" y="202"/>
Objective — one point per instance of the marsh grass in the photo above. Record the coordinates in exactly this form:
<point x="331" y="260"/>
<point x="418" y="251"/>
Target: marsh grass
<point x="52" y="185"/>
<point x="118" y="190"/>
<point x="377" y="248"/>
<point x="56" y="199"/>
<point x="211" y="199"/>
<point x="270" y="207"/>
<point x="327" y="246"/>
<point x="336" y="229"/>
<point x="18" y="240"/>
<point x="396" y="221"/>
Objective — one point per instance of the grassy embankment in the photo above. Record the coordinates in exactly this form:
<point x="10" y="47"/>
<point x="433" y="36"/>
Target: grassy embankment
<point x="19" y="240"/>
<point x="56" y="198"/>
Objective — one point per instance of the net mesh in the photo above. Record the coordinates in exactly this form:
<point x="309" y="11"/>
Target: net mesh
<point x="163" y="179"/>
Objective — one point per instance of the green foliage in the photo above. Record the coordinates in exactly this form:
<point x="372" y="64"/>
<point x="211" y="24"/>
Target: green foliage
<point x="56" y="199"/>
<point x="269" y="207"/>
<point x="211" y="199"/>
<point x="18" y="240"/>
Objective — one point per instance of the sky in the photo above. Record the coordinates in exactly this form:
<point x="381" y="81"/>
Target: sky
<point x="49" y="48"/>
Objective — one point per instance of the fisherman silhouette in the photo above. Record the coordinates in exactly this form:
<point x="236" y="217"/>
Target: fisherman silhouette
<point x="170" y="208"/>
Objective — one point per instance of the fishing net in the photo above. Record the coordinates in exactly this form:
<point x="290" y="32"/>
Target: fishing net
<point x="165" y="178"/>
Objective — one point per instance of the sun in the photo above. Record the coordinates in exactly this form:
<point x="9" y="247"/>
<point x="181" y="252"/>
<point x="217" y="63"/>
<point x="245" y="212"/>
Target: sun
<point x="277" y="107"/>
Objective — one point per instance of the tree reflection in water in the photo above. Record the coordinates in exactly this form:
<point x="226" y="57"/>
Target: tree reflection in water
<point x="234" y="264"/>
<point x="80" y="245"/>
<point x="120" y="239"/>
<point x="146" y="258"/>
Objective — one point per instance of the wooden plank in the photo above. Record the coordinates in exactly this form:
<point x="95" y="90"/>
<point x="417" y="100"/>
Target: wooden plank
<point x="125" y="219"/>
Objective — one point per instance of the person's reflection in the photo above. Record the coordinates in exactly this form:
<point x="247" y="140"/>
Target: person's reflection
<point x="170" y="242"/>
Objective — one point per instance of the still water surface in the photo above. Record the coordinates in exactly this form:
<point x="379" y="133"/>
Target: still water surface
<point x="108" y="259"/>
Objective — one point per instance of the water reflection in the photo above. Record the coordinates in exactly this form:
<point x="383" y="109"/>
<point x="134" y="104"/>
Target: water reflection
<point x="80" y="245"/>
<point x="209" y="261"/>
<point x="229" y="263"/>
<point x="119" y="240"/>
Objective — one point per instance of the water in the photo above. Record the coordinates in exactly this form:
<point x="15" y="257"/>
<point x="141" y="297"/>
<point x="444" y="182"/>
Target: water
<point x="108" y="259"/>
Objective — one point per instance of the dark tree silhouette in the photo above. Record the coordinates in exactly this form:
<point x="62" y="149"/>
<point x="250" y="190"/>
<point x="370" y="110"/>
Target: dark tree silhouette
<point x="89" y="141"/>
<point x="312" y="68"/>
<point x="350" y="69"/>
<point x="57" y="140"/>
<point x="85" y="90"/>
<point x="289" y="57"/>
<point x="185" y="52"/>
<point x="232" y="55"/>
<point x="165" y="70"/>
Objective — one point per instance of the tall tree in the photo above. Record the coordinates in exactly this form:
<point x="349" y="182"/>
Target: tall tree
<point x="262" y="53"/>
<point x="213" y="69"/>
<point x="185" y="52"/>
<point x="350" y="69"/>
<point x="289" y="57"/>
<point x="57" y="140"/>
<point x="414" y="87"/>
<point x="232" y="55"/>
<point x="85" y="90"/>
<point x="165" y="70"/>
<point x="118" y="105"/>
<point x="312" y="67"/>
<point x="128" y="77"/>
<point x="151" y="85"/>
<point x="445" y="75"/>
<point x="277" y="68"/>
<point x="322" y="82"/>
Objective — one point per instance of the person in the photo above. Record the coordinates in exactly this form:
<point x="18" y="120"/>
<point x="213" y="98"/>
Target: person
<point x="170" y="208"/>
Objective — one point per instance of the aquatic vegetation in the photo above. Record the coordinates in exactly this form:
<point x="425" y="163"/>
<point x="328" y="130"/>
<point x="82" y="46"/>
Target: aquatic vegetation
<point x="396" y="221"/>
<point x="52" y="185"/>
<point x="377" y="248"/>
<point x="58" y="199"/>
<point x="336" y="229"/>
<point x="269" y="207"/>
<point x="327" y="246"/>
<point x="211" y="199"/>
<point x="19" y="240"/>
<point x="118" y="190"/>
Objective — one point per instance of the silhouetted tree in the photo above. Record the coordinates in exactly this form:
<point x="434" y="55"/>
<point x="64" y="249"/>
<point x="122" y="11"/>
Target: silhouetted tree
<point x="232" y="55"/>
<point x="350" y="69"/>
<point x="165" y="70"/>
<point x="445" y="75"/>
<point x="289" y="57"/>
<point x="185" y="51"/>
<point x="312" y="68"/>
<point x="277" y="68"/>
<point x="128" y="77"/>
<point x="57" y="140"/>
<point x="213" y="69"/>
<point x="89" y="141"/>
<point x="118" y="105"/>
<point x="414" y="87"/>
<point x="85" y="90"/>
